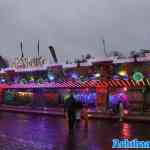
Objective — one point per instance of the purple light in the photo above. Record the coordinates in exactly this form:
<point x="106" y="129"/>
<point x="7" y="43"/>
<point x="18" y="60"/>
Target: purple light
<point x="114" y="99"/>
<point x="75" y="75"/>
<point x="116" y="77"/>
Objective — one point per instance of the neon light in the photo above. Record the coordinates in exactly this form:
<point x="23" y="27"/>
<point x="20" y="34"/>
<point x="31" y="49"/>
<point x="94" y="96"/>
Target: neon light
<point x="116" y="77"/>
<point x="50" y="77"/>
<point x="122" y="73"/>
<point x="2" y="80"/>
<point x="126" y="77"/>
<point x="125" y="112"/>
<point x="97" y="75"/>
<point x="138" y="76"/>
<point x="125" y="89"/>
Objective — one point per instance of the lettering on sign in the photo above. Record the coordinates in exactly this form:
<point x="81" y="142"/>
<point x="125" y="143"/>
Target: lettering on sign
<point x="27" y="62"/>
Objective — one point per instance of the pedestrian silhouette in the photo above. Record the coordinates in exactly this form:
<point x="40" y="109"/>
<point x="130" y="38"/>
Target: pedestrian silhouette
<point x="70" y="111"/>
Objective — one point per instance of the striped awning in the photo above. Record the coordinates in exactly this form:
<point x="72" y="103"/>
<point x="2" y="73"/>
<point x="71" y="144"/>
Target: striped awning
<point x="124" y="83"/>
<point x="85" y="84"/>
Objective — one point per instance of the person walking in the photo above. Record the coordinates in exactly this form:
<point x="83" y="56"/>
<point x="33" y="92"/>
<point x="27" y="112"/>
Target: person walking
<point x="79" y="107"/>
<point x="85" y="116"/>
<point x="121" y="111"/>
<point x="70" y="111"/>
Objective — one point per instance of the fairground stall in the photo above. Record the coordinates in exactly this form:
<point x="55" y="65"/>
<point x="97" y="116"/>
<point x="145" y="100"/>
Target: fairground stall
<point x="99" y="82"/>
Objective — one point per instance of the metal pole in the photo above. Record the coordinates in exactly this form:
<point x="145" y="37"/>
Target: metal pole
<point x="21" y="48"/>
<point x="38" y="47"/>
<point x="104" y="46"/>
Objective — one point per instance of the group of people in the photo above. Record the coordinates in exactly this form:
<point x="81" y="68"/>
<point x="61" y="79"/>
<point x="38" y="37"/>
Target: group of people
<point x="74" y="112"/>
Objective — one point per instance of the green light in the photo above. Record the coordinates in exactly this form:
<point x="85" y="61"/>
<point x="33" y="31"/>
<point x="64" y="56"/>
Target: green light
<point x="66" y="97"/>
<point x="138" y="76"/>
<point x="9" y="96"/>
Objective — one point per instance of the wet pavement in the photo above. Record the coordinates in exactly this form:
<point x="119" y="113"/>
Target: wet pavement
<point x="38" y="132"/>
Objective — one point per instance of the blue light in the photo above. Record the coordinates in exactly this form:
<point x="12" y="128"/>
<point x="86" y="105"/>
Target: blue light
<point x="51" y="77"/>
<point x="88" y="97"/>
<point x="126" y="78"/>
<point x="2" y="80"/>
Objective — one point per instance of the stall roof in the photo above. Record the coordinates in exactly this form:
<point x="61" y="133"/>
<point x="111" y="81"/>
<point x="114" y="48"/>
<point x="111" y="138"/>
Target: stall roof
<point x="85" y="84"/>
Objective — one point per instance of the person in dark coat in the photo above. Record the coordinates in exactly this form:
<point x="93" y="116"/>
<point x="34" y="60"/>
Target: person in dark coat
<point x="70" y="110"/>
<point x="79" y="107"/>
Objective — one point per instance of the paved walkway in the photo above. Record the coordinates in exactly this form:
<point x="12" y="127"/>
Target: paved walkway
<point x="134" y="116"/>
<point x="7" y="143"/>
<point x="22" y="131"/>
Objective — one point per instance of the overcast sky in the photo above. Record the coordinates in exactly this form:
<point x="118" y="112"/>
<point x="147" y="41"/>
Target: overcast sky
<point x="74" y="27"/>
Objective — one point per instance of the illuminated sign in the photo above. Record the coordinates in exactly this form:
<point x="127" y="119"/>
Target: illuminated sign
<point x="27" y="62"/>
<point x="138" y="76"/>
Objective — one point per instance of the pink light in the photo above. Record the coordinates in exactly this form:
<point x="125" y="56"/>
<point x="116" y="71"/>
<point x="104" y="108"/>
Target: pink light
<point x="125" y="112"/>
<point x="125" y="89"/>
<point x="126" y="130"/>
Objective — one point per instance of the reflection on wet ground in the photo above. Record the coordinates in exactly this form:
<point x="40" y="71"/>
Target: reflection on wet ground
<point x="45" y="132"/>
